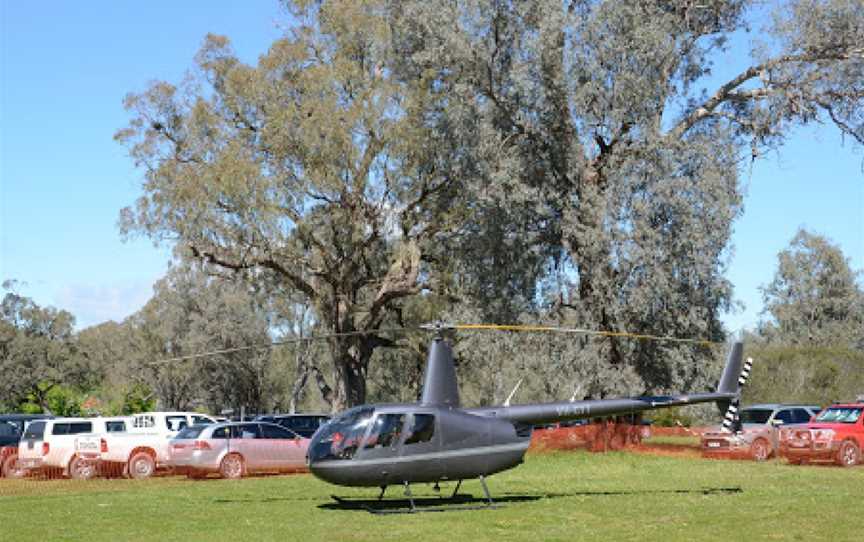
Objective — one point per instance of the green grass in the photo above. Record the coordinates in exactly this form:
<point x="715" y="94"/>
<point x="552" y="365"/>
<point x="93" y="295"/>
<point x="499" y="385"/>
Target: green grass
<point x="570" y="496"/>
<point x="673" y="440"/>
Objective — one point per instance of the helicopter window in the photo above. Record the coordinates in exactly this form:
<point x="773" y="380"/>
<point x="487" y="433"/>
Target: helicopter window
<point x="422" y="429"/>
<point x="386" y="431"/>
<point x="340" y="438"/>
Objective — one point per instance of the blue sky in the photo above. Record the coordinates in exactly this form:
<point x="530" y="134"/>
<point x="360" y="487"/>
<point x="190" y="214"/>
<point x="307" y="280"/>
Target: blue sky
<point x="65" y="68"/>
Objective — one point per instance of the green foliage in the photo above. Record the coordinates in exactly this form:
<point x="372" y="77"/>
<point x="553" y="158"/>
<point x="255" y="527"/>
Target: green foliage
<point x="813" y="375"/>
<point x="138" y="398"/>
<point x="58" y="400"/>
<point x="672" y="417"/>
<point x="814" y="298"/>
<point x="37" y="353"/>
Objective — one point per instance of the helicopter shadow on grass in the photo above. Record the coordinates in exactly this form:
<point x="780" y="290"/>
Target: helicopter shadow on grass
<point x="423" y="504"/>
<point x="470" y="502"/>
<point x="628" y="492"/>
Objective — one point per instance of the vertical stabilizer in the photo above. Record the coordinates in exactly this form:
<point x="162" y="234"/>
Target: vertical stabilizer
<point x="439" y="385"/>
<point x="729" y="381"/>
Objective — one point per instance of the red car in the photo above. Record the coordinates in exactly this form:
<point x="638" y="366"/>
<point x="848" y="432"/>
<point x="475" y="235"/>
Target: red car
<point x="836" y="434"/>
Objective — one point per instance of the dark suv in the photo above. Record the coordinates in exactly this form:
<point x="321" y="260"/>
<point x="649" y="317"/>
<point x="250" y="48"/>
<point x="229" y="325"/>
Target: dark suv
<point x="304" y="425"/>
<point x="11" y="428"/>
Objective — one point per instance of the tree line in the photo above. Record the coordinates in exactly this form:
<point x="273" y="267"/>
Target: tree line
<point x="386" y="163"/>
<point x="809" y="348"/>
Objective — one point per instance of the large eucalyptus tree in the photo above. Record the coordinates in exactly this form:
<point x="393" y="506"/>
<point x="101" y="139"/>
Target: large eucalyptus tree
<point x="315" y="169"/>
<point x="604" y="117"/>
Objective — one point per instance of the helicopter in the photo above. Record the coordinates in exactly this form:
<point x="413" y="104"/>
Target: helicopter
<point x="437" y="440"/>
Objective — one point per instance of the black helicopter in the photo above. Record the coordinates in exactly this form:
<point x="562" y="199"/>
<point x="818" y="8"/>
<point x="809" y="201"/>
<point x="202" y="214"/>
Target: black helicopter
<point x="436" y="440"/>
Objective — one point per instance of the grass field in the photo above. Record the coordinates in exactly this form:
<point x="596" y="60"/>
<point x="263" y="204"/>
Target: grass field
<point x="561" y="496"/>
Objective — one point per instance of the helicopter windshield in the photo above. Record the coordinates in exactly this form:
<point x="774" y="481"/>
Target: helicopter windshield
<point x="340" y="438"/>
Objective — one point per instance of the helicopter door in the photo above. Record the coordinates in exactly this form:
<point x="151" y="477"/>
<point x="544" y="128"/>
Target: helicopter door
<point x="420" y="449"/>
<point x="383" y="443"/>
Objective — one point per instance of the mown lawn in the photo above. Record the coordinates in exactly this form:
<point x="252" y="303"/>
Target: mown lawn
<point x="562" y="496"/>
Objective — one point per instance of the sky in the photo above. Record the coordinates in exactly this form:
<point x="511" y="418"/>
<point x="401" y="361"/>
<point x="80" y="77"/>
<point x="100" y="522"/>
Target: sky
<point x="65" y="68"/>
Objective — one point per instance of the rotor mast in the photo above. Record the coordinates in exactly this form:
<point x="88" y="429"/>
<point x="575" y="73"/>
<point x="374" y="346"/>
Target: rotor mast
<point x="439" y="384"/>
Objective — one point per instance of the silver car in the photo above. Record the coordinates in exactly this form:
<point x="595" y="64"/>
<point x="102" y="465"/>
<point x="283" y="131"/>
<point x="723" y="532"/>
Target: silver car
<point x="237" y="449"/>
<point x="759" y="435"/>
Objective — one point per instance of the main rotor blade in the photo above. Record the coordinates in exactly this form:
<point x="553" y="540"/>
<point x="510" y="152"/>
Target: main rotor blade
<point x="577" y="331"/>
<point x="438" y="327"/>
<point x="293" y="340"/>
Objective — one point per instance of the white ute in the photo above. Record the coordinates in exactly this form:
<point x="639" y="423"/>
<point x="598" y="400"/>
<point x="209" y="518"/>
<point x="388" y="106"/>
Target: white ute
<point x="68" y="446"/>
<point x="145" y="447"/>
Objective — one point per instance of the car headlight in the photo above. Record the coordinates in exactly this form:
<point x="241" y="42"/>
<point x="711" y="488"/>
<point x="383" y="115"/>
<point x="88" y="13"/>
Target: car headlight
<point x="823" y="434"/>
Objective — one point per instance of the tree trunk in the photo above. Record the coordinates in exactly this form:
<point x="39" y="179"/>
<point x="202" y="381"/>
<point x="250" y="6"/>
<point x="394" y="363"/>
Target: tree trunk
<point x="351" y="362"/>
<point x="590" y="250"/>
<point x="301" y="378"/>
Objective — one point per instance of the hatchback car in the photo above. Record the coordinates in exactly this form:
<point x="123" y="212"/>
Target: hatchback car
<point x="236" y="449"/>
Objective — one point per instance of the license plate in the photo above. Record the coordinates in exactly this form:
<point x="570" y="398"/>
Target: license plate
<point x="713" y="444"/>
<point x="31" y="463"/>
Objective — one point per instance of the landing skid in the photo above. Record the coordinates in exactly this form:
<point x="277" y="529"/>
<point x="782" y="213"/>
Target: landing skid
<point x="412" y="505"/>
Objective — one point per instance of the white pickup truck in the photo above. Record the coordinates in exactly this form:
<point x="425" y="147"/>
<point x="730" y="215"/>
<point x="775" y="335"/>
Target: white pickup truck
<point x="145" y="447"/>
<point x="67" y="446"/>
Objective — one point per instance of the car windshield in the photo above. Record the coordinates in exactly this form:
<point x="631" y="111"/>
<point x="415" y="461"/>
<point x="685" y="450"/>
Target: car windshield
<point x="755" y="415"/>
<point x="839" y="415"/>
<point x="191" y="432"/>
<point x="340" y="438"/>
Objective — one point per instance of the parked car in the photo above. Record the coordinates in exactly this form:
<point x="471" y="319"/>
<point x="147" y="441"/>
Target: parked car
<point x="144" y="449"/>
<point x="836" y="434"/>
<point x="304" y="425"/>
<point x="235" y="449"/>
<point x="11" y="429"/>
<point x="759" y="436"/>
<point x="66" y="446"/>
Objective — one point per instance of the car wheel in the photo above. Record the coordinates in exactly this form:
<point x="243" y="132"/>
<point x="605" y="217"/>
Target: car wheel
<point x="760" y="449"/>
<point x="849" y="455"/>
<point x="81" y="469"/>
<point x="231" y="467"/>
<point x="141" y="465"/>
<point x="12" y="468"/>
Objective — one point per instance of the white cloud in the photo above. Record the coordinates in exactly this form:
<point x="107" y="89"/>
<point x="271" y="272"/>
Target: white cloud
<point x="93" y="304"/>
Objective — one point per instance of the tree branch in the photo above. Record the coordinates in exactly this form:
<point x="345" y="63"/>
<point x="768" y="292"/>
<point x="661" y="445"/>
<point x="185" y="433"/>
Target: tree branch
<point x="727" y="91"/>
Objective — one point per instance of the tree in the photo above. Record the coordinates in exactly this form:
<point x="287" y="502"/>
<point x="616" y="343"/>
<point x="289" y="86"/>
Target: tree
<point x="814" y="298"/>
<point x="591" y="112"/>
<point x="37" y="352"/>
<point x="193" y="312"/>
<point x="314" y="169"/>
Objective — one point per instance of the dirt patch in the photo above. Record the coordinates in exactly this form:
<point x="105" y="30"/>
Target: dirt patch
<point x="597" y="437"/>
<point x="608" y="436"/>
